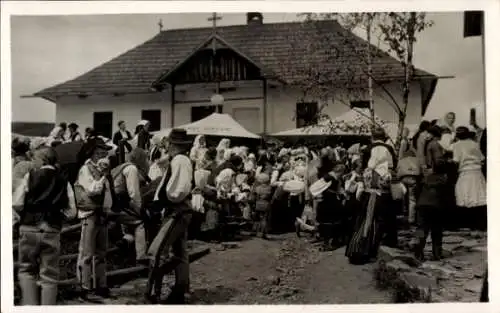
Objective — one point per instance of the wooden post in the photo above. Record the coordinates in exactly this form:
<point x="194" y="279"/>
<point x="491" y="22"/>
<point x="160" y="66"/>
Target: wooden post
<point x="264" y="103"/>
<point x="172" y="105"/>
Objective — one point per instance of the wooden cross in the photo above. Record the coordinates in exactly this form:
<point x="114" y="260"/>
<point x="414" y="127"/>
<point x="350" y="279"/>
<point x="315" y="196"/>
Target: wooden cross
<point x="214" y="18"/>
<point x="160" y="25"/>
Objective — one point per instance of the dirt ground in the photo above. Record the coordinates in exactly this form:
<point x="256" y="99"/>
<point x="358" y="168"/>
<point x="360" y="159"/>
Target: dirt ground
<point x="283" y="270"/>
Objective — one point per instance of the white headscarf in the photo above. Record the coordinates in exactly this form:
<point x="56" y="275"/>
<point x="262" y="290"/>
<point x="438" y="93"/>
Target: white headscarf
<point x="224" y="144"/>
<point x="225" y="179"/>
<point x="222" y="147"/>
<point x="197" y="153"/>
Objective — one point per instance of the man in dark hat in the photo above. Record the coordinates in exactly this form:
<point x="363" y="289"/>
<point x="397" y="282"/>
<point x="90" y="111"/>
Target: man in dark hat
<point x="432" y="201"/>
<point x="173" y="194"/>
<point x="93" y="196"/>
<point x="74" y="135"/>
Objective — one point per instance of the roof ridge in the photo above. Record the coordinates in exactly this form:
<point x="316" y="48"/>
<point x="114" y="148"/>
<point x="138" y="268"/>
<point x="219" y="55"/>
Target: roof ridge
<point x="229" y="26"/>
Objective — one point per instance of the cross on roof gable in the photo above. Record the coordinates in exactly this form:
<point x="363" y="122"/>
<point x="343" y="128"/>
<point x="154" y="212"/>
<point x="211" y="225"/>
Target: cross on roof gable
<point x="266" y="45"/>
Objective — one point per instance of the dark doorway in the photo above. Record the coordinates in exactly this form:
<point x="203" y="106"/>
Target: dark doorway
<point x="199" y="113"/>
<point x="154" y="118"/>
<point x="103" y="123"/>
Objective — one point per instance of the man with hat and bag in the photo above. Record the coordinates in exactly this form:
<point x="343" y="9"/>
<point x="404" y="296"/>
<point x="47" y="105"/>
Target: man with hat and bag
<point x="173" y="195"/>
<point x="93" y="195"/>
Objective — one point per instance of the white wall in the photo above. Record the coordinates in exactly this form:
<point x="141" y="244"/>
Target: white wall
<point x="280" y="110"/>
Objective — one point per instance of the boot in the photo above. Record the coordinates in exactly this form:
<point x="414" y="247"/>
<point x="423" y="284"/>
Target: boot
<point x="437" y="251"/>
<point x="419" y="247"/>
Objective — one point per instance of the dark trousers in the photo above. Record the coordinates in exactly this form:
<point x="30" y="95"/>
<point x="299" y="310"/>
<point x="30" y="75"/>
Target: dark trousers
<point x="430" y="219"/>
<point x="388" y="220"/>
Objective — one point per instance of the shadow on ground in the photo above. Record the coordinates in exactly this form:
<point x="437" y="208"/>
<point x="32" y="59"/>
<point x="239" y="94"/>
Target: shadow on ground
<point x="215" y="295"/>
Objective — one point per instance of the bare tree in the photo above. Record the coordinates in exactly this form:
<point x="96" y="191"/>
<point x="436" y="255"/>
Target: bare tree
<point x="341" y="66"/>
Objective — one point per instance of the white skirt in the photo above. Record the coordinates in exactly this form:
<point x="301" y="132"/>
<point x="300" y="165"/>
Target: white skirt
<point x="470" y="190"/>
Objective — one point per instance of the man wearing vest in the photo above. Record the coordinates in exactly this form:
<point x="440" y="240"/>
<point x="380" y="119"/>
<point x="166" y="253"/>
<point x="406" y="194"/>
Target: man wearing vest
<point x="74" y="135"/>
<point x="127" y="180"/>
<point x="43" y="199"/>
<point x="173" y="194"/>
<point x="380" y="155"/>
<point x="94" y="201"/>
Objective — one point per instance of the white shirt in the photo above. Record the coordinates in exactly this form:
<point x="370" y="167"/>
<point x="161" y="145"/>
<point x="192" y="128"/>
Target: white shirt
<point x="180" y="184"/>
<point x="93" y="187"/>
<point x="380" y="158"/>
<point x="131" y="180"/>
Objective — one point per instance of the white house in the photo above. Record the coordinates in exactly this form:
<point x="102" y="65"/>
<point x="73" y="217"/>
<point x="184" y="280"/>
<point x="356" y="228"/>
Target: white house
<point x="171" y="78"/>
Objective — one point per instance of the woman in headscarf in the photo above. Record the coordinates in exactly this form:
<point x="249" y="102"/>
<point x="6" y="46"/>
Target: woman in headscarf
<point x="197" y="153"/>
<point x="223" y="145"/>
<point x="249" y="166"/>
<point x="470" y="188"/>
<point x="156" y="154"/>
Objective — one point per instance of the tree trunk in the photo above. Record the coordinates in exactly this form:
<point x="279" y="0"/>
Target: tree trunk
<point x="408" y="76"/>
<point x="369" y="61"/>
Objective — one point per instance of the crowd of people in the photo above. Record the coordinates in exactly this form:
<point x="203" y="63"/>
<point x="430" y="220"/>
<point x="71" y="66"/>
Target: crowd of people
<point x="350" y="197"/>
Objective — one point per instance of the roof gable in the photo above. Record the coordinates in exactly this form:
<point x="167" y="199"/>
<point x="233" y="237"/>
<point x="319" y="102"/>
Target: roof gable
<point x="268" y="45"/>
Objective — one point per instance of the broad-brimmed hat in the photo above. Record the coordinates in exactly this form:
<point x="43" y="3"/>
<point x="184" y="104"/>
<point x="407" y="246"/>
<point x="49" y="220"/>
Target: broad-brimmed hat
<point x="91" y="145"/>
<point x="178" y="136"/>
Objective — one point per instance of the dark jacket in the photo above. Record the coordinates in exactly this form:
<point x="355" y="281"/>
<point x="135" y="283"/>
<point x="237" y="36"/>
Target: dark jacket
<point x="117" y="137"/>
<point x="46" y="199"/>
<point x="143" y="140"/>
<point x="434" y="184"/>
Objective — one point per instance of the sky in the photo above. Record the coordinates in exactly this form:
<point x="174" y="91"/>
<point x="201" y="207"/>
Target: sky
<point x="47" y="50"/>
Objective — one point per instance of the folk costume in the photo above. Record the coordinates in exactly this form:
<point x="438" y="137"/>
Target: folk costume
<point x="94" y="200"/>
<point x="128" y="178"/>
<point x="43" y="199"/>
<point x="174" y="195"/>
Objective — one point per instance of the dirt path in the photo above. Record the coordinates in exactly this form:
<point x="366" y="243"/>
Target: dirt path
<point x="285" y="270"/>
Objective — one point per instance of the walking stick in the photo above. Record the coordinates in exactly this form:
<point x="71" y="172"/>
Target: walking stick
<point x="94" y="280"/>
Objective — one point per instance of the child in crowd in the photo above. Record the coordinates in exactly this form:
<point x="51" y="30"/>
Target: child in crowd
<point x="261" y="196"/>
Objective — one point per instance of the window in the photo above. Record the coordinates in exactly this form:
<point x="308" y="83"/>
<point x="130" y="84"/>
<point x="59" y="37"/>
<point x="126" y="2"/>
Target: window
<point x="306" y="114"/>
<point x="154" y="118"/>
<point x="103" y="123"/>
<point x="360" y="104"/>
<point x="473" y="23"/>
<point x="199" y="113"/>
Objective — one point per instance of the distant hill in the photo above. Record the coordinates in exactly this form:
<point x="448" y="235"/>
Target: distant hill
<point x="41" y="129"/>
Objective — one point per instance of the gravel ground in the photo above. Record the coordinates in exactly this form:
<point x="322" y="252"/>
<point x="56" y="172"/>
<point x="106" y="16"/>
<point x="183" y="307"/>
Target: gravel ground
<point x="284" y="270"/>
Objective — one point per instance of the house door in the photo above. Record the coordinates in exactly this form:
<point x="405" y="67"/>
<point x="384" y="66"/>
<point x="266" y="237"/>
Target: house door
<point x="103" y="123"/>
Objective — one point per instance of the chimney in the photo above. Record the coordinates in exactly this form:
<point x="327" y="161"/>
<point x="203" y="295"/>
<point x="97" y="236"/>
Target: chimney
<point x="254" y="18"/>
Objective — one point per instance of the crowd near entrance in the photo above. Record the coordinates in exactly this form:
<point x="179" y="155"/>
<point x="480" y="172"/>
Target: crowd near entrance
<point x="158" y="190"/>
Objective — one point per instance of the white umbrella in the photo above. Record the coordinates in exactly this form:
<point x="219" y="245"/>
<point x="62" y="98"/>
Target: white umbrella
<point x="216" y="124"/>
